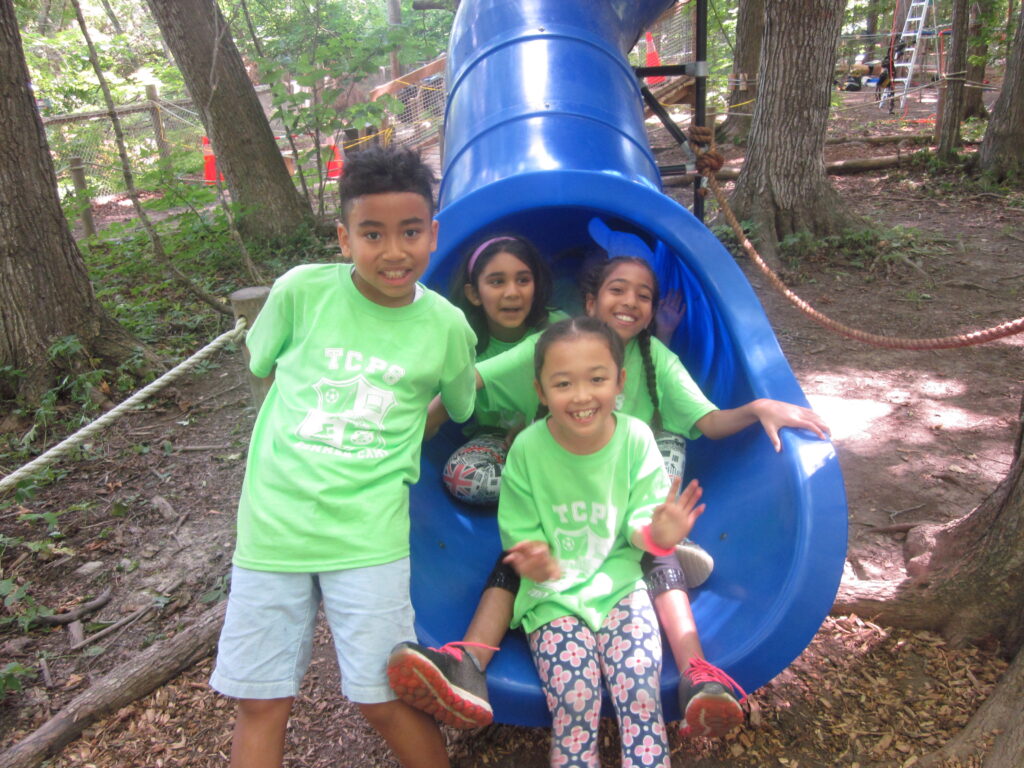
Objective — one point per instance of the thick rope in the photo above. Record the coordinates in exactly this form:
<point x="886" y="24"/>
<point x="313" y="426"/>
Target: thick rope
<point x="710" y="160"/>
<point x="68" y="444"/>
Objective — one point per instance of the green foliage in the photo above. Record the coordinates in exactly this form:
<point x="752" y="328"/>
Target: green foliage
<point x="865" y="249"/>
<point x="973" y="129"/>
<point x="218" y="592"/>
<point x="63" y="77"/>
<point x="317" y="57"/>
<point x="19" y="606"/>
<point x="13" y="677"/>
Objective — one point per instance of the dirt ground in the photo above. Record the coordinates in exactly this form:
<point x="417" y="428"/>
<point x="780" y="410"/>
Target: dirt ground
<point x="922" y="437"/>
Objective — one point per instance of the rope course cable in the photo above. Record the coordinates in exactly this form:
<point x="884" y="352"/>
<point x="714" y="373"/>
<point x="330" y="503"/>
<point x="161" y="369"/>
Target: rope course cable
<point x="710" y="160"/>
<point x="70" y="443"/>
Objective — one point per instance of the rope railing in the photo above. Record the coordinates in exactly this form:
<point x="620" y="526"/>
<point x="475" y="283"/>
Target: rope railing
<point x="709" y="160"/>
<point x="64" y="447"/>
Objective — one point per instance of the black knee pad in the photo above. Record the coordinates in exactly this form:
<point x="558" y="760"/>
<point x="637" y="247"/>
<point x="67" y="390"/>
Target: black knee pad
<point x="662" y="574"/>
<point x="503" y="576"/>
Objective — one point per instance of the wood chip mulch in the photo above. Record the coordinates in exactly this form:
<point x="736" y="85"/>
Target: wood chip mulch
<point x="861" y="696"/>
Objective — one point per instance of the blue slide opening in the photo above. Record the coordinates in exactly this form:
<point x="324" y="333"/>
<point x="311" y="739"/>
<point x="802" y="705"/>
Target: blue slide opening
<point x="544" y="131"/>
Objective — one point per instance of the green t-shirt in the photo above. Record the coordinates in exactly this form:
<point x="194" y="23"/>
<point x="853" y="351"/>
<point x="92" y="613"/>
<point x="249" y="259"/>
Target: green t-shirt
<point x="498" y="419"/>
<point x="508" y="383"/>
<point x="336" y="444"/>
<point x="586" y="508"/>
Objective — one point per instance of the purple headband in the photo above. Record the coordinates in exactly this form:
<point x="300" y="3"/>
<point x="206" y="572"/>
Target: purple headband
<point x="480" y="249"/>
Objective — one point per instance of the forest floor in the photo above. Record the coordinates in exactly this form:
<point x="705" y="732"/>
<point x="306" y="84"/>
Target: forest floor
<point x="922" y="437"/>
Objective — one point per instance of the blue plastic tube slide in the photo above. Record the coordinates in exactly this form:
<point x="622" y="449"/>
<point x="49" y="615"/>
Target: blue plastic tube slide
<point x="544" y="130"/>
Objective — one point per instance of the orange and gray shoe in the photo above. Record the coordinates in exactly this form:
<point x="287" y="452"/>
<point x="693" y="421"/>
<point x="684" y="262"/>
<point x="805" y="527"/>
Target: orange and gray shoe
<point x="444" y="682"/>
<point x="708" y="701"/>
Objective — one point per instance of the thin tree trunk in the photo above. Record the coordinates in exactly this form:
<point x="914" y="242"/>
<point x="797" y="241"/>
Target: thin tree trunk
<point x="198" y="36"/>
<point x="871" y="30"/>
<point x="951" y="99"/>
<point x="43" y="22"/>
<point x="783" y="187"/>
<point x="114" y="21"/>
<point x="395" y="19"/>
<point x="743" y="85"/>
<point x="1002" y="149"/>
<point x="977" y="54"/>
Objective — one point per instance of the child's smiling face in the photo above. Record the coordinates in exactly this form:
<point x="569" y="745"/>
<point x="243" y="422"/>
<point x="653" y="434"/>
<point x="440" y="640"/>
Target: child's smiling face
<point x="505" y="291"/>
<point x="579" y="382"/>
<point x="625" y="300"/>
<point x="389" y="237"/>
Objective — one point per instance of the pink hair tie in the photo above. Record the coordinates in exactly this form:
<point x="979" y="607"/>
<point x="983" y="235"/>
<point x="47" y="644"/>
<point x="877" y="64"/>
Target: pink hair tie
<point x="480" y="249"/>
<point x="651" y="545"/>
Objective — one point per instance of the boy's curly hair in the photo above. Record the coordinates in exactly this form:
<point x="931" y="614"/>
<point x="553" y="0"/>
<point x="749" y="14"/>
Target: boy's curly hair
<point x="378" y="171"/>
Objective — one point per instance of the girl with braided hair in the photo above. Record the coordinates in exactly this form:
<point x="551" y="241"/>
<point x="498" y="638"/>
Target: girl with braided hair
<point x="623" y="292"/>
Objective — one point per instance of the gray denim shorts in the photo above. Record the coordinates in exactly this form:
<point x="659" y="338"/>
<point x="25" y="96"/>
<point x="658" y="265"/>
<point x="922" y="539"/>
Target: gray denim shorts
<point x="267" y="639"/>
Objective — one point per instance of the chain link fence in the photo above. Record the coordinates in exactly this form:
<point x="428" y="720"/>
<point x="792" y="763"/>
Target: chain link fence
<point x="153" y="131"/>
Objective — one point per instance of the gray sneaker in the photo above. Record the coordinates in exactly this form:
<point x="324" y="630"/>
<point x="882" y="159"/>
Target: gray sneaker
<point x="709" y="700"/>
<point x="695" y="562"/>
<point x="443" y="682"/>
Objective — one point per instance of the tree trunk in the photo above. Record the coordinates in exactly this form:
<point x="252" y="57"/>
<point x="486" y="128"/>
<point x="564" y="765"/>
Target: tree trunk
<point x="199" y="38"/>
<point x="951" y="99"/>
<point x="871" y="29"/>
<point x="45" y="292"/>
<point x="965" y="578"/>
<point x="1002" y="149"/>
<point x="977" y="54"/>
<point x="783" y="187"/>
<point x="743" y="80"/>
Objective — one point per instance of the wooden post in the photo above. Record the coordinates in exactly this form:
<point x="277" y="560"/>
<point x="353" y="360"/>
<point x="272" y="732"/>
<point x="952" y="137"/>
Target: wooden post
<point x="82" y="192"/>
<point x="247" y="303"/>
<point x="158" y="128"/>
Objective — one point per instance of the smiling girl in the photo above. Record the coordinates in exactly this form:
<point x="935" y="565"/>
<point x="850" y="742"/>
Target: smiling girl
<point x="585" y="495"/>
<point x="504" y="291"/>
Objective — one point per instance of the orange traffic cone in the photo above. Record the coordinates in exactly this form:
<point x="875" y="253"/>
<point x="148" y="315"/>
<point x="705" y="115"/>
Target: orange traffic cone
<point x="209" y="164"/>
<point x="653" y="60"/>
<point x="334" y="165"/>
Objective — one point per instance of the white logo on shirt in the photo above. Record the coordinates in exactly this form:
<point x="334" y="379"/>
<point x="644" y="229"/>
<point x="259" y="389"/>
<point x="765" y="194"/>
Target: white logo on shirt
<point x="349" y="414"/>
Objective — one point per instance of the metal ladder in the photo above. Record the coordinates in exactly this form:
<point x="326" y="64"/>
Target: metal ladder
<point x="913" y="27"/>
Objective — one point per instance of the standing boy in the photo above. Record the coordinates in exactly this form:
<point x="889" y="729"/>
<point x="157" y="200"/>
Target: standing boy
<point x="358" y="350"/>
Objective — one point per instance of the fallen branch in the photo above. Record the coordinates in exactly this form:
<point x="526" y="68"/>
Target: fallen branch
<point x="59" y="619"/>
<point x="913" y="138"/>
<point x="859" y="165"/>
<point x="118" y="688"/>
<point x="836" y="168"/>
<point x="130" y="619"/>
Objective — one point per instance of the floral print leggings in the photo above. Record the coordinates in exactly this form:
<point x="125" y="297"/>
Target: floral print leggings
<point x="572" y="661"/>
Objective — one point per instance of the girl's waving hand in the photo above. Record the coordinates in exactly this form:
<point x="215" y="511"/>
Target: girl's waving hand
<point x="672" y="520"/>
